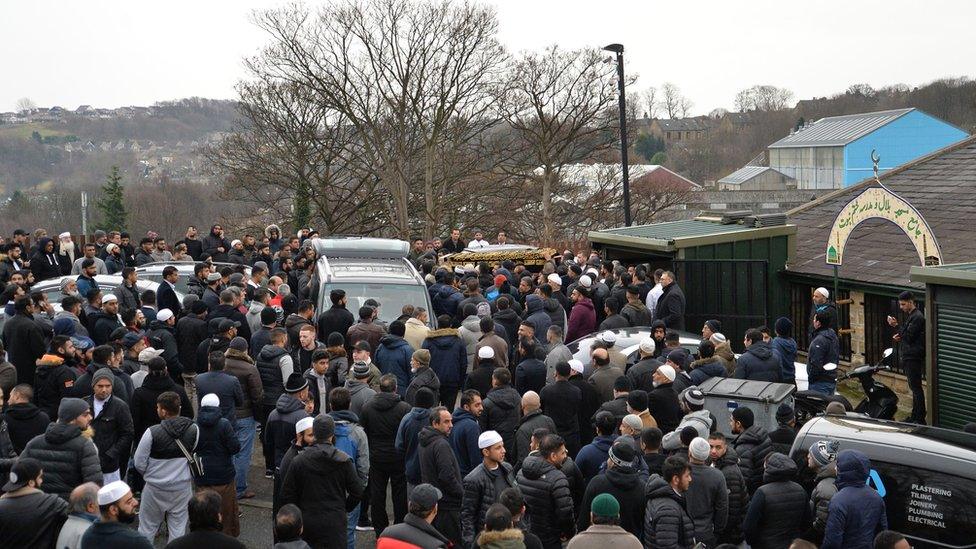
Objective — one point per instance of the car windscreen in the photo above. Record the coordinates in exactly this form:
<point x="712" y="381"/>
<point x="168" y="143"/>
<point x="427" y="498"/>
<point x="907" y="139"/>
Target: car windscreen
<point x="392" y="297"/>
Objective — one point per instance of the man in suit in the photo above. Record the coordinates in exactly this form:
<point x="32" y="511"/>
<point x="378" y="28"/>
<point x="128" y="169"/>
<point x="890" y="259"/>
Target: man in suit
<point x="166" y="297"/>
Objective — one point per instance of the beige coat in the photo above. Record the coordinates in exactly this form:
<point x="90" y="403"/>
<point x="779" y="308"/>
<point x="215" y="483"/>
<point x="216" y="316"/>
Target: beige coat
<point x="415" y="333"/>
<point x="601" y="536"/>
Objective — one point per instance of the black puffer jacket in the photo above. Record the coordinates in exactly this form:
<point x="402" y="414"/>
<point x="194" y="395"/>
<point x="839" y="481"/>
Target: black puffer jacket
<point x="216" y="447"/>
<point x="548" y="501"/>
<point x="439" y="467"/>
<point x="666" y="523"/>
<point x="25" y="421"/>
<point x="778" y="511"/>
<point x="738" y="496"/>
<point x="113" y="432"/>
<point x="69" y="458"/>
<point x="52" y="382"/>
<point x="501" y="413"/>
<point x="380" y="418"/>
<point x="624" y="484"/>
<point x="523" y="435"/>
<point x="479" y="494"/>
<point x="752" y="445"/>
<point x="758" y="363"/>
<point x="662" y="404"/>
<point x="269" y="366"/>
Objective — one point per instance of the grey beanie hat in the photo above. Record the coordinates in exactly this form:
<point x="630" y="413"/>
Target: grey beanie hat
<point x="103" y="373"/>
<point x="824" y="451"/>
<point x="71" y="408"/>
<point x="323" y="427"/>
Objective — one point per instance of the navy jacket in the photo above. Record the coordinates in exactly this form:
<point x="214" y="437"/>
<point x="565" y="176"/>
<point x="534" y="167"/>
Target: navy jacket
<point x="537" y="316"/>
<point x="227" y="388"/>
<point x="593" y="456"/>
<point x="824" y="349"/>
<point x="407" y="441"/>
<point x="448" y="356"/>
<point x="758" y="363"/>
<point x="464" y="440"/>
<point x="857" y="512"/>
<point x="216" y="447"/>
<point x="785" y="348"/>
<point x="392" y="356"/>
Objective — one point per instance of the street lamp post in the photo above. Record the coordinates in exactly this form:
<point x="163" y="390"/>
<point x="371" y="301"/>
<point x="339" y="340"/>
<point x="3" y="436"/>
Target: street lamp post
<point x="622" y="100"/>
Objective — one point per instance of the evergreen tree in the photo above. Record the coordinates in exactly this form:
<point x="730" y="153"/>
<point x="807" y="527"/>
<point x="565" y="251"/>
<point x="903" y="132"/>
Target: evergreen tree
<point x="111" y="203"/>
<point x="302" y="211"/>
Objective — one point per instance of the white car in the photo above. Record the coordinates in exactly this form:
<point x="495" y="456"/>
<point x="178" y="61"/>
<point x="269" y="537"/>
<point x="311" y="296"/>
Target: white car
<point x="108" y="283"/>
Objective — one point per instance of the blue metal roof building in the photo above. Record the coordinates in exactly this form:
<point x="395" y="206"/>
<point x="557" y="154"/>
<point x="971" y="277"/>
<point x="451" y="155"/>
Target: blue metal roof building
<point x="835" y="152"/>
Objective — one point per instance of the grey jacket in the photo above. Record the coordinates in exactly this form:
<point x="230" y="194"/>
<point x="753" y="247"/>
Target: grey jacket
<point x="75" y="527"/>
<point x="424" y="377"/>
<point x="708" y="502"/>
<point x="700" y="420"/>
<point x="825" y="489"/>
<point x="360" y="393"/>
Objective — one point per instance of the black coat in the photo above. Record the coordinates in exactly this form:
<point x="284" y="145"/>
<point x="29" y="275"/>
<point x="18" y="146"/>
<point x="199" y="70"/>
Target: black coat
<point x="530" y="375"/>
<point x="143" y="405"/>
<point x="336" y="319"/>
<point x="666" y="523"/>
<point x="24" y="342"/>
<point x="912" y="332"/>
<point x="230" y="312"/>
<point x="671" y="307"/>
<point x="166" y="298"/>
<point x="502" y="408"/>
<point x="589" y="405"/>
<point x="380" y="418"/>
<point x="163" y="337"/>
<point x="624" y="484"/>
<point x="779" y="510"/>
<point x="51" y="384"/>
<point x="24" y="422"/>
<point x="69" y="458"/>
<point x="227" y="388"/>
<point x="642" y="372"/>
<point x="101" y="325"/>
<point x="211" y="539"/>
<point x="439" y="467"/>
<point x="479" y="495"/>
<point x="758" y="363"/>
<point x="480" y="377"/>
<point x="523" y="434"/>
<point x="323" y="483"/>
<point x="752" y="445"/>
<point x="738" y="496"/>
<point x="32" y="520"/>
<point x="216" y="447"/>
<point x="191" y="330"/>
<point x="561" y="401"/>
<point x="113" y="432"/>
<point x="548" y="500"/>
<point x="662" y="403"/>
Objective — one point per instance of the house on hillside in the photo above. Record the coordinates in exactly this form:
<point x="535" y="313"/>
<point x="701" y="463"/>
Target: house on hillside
<point x="680" y="129"/>
<point x="597" y="176"/>
<point x="756" y="178"/>
<point x="835" y="152"/>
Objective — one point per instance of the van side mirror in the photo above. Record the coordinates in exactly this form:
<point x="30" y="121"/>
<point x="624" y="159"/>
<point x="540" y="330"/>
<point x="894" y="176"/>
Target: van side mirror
<point x="887" y="352"/>
<point x="830" y="367"/>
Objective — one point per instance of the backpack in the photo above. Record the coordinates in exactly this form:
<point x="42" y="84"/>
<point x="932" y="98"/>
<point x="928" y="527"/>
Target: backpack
<point x="344" y="442"/>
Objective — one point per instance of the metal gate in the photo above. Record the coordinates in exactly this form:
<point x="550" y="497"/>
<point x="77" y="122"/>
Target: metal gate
<point x="733" y="291"/>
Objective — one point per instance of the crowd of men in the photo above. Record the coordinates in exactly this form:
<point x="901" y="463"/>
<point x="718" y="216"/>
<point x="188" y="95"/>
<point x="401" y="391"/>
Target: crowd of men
<point x="474" y="418"/>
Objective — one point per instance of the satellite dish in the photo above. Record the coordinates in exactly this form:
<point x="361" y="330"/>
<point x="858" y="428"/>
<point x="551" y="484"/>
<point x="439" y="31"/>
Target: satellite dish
<point x="830" y="367"/>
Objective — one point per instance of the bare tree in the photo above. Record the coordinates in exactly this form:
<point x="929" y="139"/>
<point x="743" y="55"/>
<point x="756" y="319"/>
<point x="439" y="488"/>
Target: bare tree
<point x="763" y="98"/>
<point x="675" y="104"/>
<point x="560" y="105"/>
<point x="25" y="105"/>
<point x="650" y="102"/>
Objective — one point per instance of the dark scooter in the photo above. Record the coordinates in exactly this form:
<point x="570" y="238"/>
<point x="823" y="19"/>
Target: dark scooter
<point x="879" y="400"/>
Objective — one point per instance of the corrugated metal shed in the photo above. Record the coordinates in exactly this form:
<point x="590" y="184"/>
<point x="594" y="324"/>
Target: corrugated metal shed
<point x="745" y="174"/>
<point x="835" y="131"/>
<point x="673" y="235"/>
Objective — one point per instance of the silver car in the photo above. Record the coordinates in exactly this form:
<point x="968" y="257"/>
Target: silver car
<point x="51" y="287"/>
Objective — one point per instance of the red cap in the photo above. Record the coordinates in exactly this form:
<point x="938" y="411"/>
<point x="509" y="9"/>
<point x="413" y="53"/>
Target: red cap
<point x="500" y="279"/>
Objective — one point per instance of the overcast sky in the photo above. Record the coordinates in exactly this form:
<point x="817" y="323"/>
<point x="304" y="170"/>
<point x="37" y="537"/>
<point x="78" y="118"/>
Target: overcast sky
<point x="112" y="53"/>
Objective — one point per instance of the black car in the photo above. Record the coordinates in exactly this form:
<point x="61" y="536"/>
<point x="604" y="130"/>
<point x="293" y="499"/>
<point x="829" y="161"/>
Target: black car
<point x="926" y="475"/>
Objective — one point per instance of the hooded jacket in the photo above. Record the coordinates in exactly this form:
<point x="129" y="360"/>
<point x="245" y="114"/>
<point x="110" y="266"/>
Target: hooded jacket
<point x="666" y="523"/>
<point x="623" y="483"/>
<point x="335" y="319"/>
<point x="69" y="458"/>
<point x="360" y="393"/>
<point x="323" y="483"/>
<point x="407" y="441"/>
<point x="190" y="332"/>
<point x="380" y="419"/>
<point x="510" y="320"/>
<point x="479" y="495"/>
<point x="778" y="511"/>
<point x="785" y="348"/>
<point x="857" y="512"/>
<point x="24" y="422"/>
<point x="240" y="365"/>
<point x="45" y="265"/>
<point x="448" y="357"/>
<point x="31" y="519"/>
<point x="823" y="492"/>
<point x="582" y="319"/>
<point x="701" y="420"/>
<point x="358" y="437"/>
<point x="592" y="457"/>
<point x="759" y="363"/>
<point x="662" y="403"/>
<point x="439" y="467"/>
<point x="279" y="430"/>
<point x="446" y="299"/>
<point x="393" y="357"/>
<point x="53" y="380"/>
<point x="163" y="337"/>
<point x="24" y="342"/>
<point x="561" y="402"/>
<point x="824" y="349"/>
<point x="557" y="315"/>
<point x="216" y="447"/>
<point x="537" y="316"/>
<point x="470" y="333"/>
<point x="738" y="496"/>
<point x="143" y="405"/>
<point x="464" y="440"/>
<point x="548" y="500"/>
<point x="707" y="368"/>
<point x="752" y="445"/>
<point x="523" y="434"/>
<point x="502" y="407"/>
<point x="480" y="376"/>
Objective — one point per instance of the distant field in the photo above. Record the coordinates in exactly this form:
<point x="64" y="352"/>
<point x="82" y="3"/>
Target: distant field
<point x="24" y="131"/>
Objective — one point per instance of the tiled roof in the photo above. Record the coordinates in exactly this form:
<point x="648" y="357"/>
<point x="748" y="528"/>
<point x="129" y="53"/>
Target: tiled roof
<point x="942" y="186"/>
<point x="835" y="131"/>
<point x="683" y="124"/>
